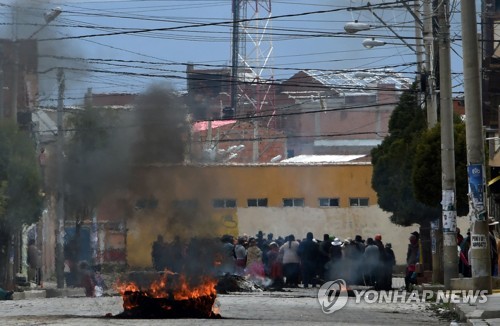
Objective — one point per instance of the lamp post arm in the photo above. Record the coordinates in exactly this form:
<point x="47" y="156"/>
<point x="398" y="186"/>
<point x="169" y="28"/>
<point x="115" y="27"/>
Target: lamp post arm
<point x="38" y="30"/>
<point x="412" y="12"/>
<point x="49" y="17"/>
<point x="391" y="29"/>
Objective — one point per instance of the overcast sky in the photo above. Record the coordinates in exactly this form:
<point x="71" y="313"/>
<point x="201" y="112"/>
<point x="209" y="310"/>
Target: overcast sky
<point x="304" y="34"/>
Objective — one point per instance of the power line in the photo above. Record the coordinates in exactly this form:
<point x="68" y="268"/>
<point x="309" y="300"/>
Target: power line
<point x="221" y="23"/>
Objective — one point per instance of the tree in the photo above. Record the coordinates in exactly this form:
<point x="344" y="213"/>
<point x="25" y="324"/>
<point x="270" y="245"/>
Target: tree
<point x="20" y="184"/>
<point x="393" y="165"/>
<point x="426" y="177"/>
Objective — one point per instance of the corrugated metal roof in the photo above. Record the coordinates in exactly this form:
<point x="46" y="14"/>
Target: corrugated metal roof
<point x="321" y="158"/>
<point x="203" y="125"/>
<point x="348" y="142"/>
<point x="359" y="81"/>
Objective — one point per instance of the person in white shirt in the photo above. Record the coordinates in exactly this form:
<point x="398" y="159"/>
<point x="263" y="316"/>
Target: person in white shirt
<point x="291" y="261"/>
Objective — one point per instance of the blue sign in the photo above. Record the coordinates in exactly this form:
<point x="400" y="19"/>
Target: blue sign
<point x="476" y="187"/>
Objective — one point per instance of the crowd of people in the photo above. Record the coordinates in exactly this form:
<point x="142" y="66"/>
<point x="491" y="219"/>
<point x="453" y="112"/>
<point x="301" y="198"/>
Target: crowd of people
<point x="287" y="261"/>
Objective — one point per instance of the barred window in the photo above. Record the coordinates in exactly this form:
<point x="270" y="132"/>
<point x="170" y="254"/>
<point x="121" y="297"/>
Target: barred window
<point x="358" y="201"/>
<point x="293" y="202"/>
<point x="329" y="202"/>
<point x="257" y="202"/>
<point x="185" y="203"/>
<point x="224" y="203"/>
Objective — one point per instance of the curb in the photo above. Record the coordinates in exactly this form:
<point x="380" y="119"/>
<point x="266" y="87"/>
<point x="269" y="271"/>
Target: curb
<point x="471" y="315"/>
<point x="65" y="292"/>
<point x="48" y="293"/>
<point x="31" y="294"/>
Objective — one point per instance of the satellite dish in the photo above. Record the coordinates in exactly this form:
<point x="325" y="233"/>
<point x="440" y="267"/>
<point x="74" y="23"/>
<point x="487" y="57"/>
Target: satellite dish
<point x="276" y="159"/>
<point x="230" y="157"/>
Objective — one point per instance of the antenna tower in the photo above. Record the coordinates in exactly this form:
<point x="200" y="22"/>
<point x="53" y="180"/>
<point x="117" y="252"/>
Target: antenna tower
<point x="255" y="76"/>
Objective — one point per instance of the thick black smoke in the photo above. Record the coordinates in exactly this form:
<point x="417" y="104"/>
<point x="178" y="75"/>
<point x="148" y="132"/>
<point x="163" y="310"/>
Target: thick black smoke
<point x="162" y="127"/>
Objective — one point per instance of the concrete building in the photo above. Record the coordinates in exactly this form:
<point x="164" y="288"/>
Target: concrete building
<point x="283" y="199"/>
<point x="339" y="113"/>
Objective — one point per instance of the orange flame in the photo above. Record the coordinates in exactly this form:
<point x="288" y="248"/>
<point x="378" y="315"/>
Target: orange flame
<point x="180" y="290"/>
<point x="129" y="287"/>
<point x="207" y="288"/>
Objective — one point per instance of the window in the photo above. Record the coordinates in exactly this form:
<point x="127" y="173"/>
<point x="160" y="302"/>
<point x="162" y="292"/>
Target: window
<point x="185" y="203"/>
<point x="184" y="207"/>
<point x="257" y="202"/>
<point x="329" y="202"/>
<point x="358" y="201"/>
<point x="224" y="203"/>
<point x="293" y="202"/>
<point x="146" y="203"/>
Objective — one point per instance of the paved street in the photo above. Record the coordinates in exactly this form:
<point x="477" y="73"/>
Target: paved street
<point x="294" y="307"/>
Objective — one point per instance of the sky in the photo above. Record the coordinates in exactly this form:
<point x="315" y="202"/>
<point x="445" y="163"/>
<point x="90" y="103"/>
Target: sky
<point x="124" y="46"/>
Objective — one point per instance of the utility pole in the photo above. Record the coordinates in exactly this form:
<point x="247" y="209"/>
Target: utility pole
<point x="419" y="47"/>
<point x="15" y="73"/>
<point x="431" y="105"/>
<point x="60" y="183"/>
<point x="480" y="244"/>
<point x="450" y="258"/>
<point x="255" y="152"/>
<point x="15" y="82"/>
<point x="2" y="108"/>
<point x="428" y="36"/>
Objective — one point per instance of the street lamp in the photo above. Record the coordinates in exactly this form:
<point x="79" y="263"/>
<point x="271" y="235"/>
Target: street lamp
<point x="355" y="26"/>
<point x="49" y="16"/>
<point x="372" y="42"/>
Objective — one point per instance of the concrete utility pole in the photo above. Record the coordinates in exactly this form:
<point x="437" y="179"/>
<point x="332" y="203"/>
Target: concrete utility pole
<point x="428" y="36"/>
<point x="450" y="257"/>
<point x="431" y="106"/>
<point x="2" y="108"/>
<point x="60" y="183"/>
<point x="480" y="244"/>
<point x="15" y="73"/>
<point x="15" y="82"/>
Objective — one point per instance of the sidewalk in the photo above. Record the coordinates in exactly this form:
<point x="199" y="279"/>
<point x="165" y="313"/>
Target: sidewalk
<point x="49" y="290"/>
<point x="479" y="314"/>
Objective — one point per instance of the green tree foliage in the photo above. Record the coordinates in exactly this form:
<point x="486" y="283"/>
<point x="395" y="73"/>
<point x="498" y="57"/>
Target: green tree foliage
<point x="427" y="172"/>
<point x="20" y="184"/>
<point x="20" y="179"/>
<point x="393" y="163"/>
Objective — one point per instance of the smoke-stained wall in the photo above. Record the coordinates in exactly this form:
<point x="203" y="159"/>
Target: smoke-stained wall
<point x="169" y="185"/>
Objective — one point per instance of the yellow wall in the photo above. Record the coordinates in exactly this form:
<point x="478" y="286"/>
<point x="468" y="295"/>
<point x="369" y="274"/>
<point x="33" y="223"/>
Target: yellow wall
<point x="240" y="182"/>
